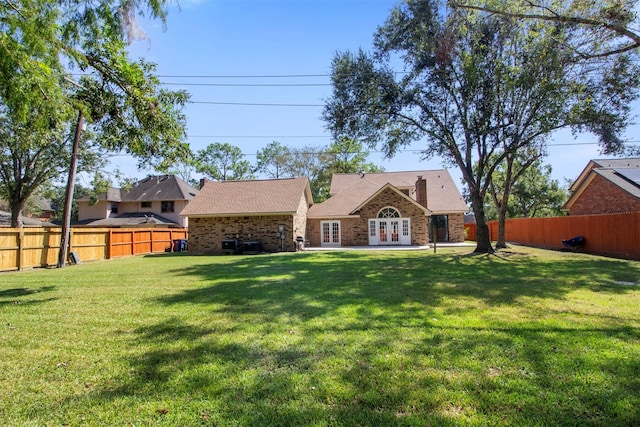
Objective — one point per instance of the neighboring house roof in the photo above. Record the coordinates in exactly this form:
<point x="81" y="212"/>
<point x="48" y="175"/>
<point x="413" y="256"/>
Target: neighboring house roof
<point x="45" y="205"/>
<point x="442" y="194"/>
<point x="164" y="187"/>
<point x="623" y="173"/>
<point x="129" y="220"/>
<point x="255" y="197"/>
<point x="5" y="221"/>
<point x="159" y="187"/>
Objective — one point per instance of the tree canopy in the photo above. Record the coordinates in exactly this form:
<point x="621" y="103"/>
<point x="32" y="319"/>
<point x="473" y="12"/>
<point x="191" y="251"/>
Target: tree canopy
<point x="475" y="88"/>
<point x="273" y="160"/>
<point x="42" y="42"/>
<point x="601" y="28"/>
<point x="223" y="162"/>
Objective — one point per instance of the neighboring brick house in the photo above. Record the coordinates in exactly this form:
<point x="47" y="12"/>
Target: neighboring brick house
<point x="152" y="201"/>
<point x="272" y="212"/>
<point x="606" y="187"/>
<point x="390" y="208"/>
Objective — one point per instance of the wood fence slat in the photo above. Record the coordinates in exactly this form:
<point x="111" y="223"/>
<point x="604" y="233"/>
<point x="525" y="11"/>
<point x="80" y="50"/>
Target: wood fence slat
<point x="616" y="235"/>
<point x="30" y="247"/>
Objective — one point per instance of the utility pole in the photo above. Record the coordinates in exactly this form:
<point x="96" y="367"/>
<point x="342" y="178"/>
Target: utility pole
<point x="68" y="199"/>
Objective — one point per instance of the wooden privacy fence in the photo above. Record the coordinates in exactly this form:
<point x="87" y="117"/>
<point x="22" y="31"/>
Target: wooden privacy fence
<point x="616" y="235"/>
<point x="29" y="247"/>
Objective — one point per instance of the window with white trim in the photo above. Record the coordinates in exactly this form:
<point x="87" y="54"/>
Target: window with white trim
<point x="388" y="212"/>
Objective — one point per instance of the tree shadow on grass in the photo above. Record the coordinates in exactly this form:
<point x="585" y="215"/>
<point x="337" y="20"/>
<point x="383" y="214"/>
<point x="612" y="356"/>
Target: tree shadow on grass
<point x="20" y="296"/>
<point x="311" y="284"/>
<point x="543" y="376"/>
<point x="346" y="338"/>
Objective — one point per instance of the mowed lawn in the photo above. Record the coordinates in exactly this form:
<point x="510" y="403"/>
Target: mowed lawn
<point x="528" y="337"/>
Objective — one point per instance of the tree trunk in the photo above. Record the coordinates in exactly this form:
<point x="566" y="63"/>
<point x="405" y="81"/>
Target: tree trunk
<point x="16" y="214"/>
<point x="483" y="238"/>
<point x="501" y="242"/>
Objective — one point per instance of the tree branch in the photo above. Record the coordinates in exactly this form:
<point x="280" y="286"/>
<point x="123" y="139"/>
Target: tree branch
<point x="617" y="29"/>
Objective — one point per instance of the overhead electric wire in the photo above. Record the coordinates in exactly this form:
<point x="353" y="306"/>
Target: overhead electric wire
<point x="247" y="84"/>
<point x="240" y="76"/>
<point x="325" y="152"/>
<point x="255" y="104"/>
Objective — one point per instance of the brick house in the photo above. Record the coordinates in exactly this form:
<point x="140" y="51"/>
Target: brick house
<point x="272" y="212"/>
<point x="389" y="208"/>
<point x="152" y="201"/>
<point x="606" y="187"/>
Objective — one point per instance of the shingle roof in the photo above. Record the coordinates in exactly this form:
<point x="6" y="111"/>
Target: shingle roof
<point x="619" y="180"/>
<point x="162" y="187"/>
<point x="617" y="163"/>
<point x="442" y="194"/>
<point x="343" y="203"/>
<point x="130" y="219"/>
<point x="159" y="187"/>
<point x="232" y="198"/>
<point x="5" y="220"/>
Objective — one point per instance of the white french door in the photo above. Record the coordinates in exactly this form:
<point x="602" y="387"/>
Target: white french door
<point x="330" y="233"/>
<point x="389" y="231"/>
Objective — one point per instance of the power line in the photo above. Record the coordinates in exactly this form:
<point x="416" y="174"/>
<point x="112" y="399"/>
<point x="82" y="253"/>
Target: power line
<point x="412" y="151"/>
<point x="247" y="84"/>
<point x="259" y="136"/>
<point x="561" y="144"/>
<point x="240" y="76"/>
<point x="255" y="104"/>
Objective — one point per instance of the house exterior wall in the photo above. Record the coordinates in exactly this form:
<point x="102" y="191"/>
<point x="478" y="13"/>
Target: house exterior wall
<point x="100" y="210"/>
<point x="354" y="231"/>
<point x="456" y="227"/>
<point x="351" y="230"/>
<point x="206" y="234"/>
<point x="601" y="196"/>
<point x="156" y="208"/>
<point x="300" y="220"/>
<point x="388" y="197"/>
<point x="313" y="232"/>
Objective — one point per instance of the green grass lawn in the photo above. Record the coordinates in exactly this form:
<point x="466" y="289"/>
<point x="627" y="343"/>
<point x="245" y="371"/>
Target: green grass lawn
<point x="528" y="337"/>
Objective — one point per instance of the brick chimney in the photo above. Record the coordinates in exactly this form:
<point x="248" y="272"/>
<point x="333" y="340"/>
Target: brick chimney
<point x="202" y="182"/>
<point x="421" y="191"/>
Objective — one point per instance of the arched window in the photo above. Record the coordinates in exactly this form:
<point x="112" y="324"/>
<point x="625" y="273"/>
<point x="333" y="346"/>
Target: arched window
<point x="388" y="212"/>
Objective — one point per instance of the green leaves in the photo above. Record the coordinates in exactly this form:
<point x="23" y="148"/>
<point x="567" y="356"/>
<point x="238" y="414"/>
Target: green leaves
<point x="478" y="87"/>
<point x="41" y="42"/>
<point x="223" y="162"/>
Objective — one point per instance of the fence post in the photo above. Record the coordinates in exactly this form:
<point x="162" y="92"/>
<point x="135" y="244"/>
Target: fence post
<point x="70" y="241"/>
<point x="109" y="244"/>
<point x="20" y="248"/>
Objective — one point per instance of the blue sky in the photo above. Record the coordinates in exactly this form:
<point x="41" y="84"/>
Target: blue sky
<point x="207" y="39"/>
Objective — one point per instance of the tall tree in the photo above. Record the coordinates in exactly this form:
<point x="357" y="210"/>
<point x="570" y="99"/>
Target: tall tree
<point x="223" y="162"/>
<point x="185" y="169"/>
<point x="461" y="67"/>
<point x="273" y="160"/>
<point x="311" y="162"/>
<point x="41" y="41"/>
<point x="32" y="156"/>
<point x="347" y="155"/>
<point x="536" y="194"/>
